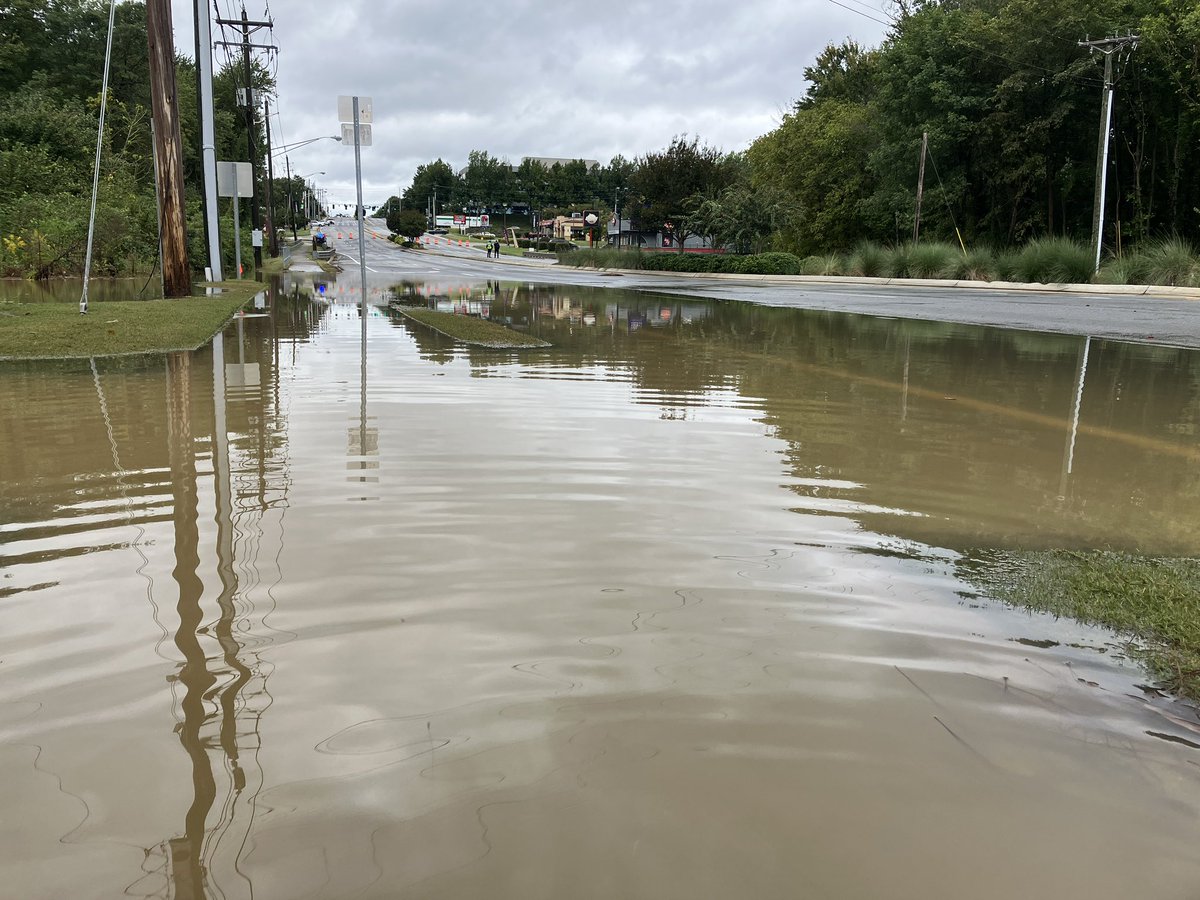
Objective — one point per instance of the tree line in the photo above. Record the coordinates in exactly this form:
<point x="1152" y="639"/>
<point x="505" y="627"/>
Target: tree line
<point x="1009" y="100"/>
<point x="1010" y="103"/>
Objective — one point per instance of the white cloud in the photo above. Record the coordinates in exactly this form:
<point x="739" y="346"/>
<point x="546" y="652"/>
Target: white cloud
<point x="528" y="77"/>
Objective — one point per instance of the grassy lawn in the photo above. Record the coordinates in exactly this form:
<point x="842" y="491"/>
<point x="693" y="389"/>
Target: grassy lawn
<point x="470" y="330"/>
<point x="1154" y="602"/>
<point x="49" y="330"/>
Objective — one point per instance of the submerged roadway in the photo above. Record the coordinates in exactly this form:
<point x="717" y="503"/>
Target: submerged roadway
<point x="1149" y="318"/>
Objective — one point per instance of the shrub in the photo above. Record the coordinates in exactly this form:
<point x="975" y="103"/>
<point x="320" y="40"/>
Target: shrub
<point x="775" y="263"/>
<point x="977" y="264"/>
<point x="933" y="259"/>
<point x="870" y="260"/>
<point x="821" y="265"/>
<point x="1169" y="261"/>
<point x="1054" y="260"/>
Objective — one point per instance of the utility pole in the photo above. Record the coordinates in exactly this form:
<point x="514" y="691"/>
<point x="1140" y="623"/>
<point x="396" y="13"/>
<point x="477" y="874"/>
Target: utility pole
<point x="270" y="183"/>
<point x="920" y="187"/>
<point x="208" y="139"/>
<point x="291" y="203"/>
<point x="251" y="105"/>
<point x="164" y="101"/>
<point x="1107" y="46"/>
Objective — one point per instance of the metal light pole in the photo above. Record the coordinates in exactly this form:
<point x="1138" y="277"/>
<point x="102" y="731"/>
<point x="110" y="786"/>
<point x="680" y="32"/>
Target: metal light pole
<point x="87" y="260"/>
<point x="1108" y="47"/>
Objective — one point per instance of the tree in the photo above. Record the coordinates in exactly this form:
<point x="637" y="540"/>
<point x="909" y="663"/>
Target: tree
<point x="666" y="182"/>
<point x="744" y="217"/>
<point x="819" y="157"/>
<point x="409" y="223"/>
<point x="486" y="181"/>
<point x="433" y="179"/>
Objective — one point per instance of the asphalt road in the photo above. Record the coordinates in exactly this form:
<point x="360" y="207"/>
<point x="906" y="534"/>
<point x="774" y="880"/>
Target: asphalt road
<point x="1159" y="320"/>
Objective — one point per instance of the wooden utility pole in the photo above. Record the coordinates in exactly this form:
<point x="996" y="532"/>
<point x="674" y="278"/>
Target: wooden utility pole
<point x="164" y="102"/>
<point x="920" y="187"/>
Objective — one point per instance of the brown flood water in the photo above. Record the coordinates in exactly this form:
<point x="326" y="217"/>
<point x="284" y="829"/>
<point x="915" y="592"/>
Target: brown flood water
<point x="672" y="609"/>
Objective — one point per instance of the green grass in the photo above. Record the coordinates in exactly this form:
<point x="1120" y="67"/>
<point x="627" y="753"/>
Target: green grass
<point x="471" y="330"/>
<point x="50" y="330"/>
<point x="1153" y="602"/>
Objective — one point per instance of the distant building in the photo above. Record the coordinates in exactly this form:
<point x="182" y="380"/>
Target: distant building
<point x="623" y="234"/>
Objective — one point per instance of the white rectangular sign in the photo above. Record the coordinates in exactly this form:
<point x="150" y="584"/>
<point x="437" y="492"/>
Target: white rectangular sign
<point x="364" y="135"/>
<point x="346" y="110"/>
<point x="235" y="179"/>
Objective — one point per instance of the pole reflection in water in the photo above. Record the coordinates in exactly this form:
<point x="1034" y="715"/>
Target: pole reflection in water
<point x="363" y="440"/>
<point x="1076" y="406"/>
<point x="224" y="687"/>
<point x="187" y="870"/>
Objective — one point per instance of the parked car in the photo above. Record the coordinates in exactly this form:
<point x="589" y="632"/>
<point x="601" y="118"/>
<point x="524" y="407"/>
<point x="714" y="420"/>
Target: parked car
<point x="438" y="229"/>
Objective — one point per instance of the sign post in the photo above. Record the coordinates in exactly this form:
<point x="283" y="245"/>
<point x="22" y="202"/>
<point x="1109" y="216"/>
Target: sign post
<point x="236" y="180"/>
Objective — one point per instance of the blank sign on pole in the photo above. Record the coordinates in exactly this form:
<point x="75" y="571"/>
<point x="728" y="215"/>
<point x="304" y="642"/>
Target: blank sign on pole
<point x="346" y="110"/>
<point x="235" y="179"/>
<point x="364" y="135"/>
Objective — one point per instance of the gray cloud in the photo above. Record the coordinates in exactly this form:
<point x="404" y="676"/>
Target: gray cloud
<point x="528" y="77"/>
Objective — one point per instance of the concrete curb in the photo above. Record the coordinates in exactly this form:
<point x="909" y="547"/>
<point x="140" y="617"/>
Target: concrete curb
<point x="1140" y="290"/>
<point x="1133" y="290"/>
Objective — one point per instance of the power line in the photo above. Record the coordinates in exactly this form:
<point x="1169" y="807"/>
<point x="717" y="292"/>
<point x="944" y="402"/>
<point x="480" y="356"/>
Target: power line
<point x="859" y="12"/>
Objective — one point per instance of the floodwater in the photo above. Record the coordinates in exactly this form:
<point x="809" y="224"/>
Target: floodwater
<point x="69" y="290"/>
<point x="671" y="609"/>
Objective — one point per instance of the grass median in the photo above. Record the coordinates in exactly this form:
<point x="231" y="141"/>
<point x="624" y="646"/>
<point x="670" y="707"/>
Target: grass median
<point x="471" y="330"/>
<point x="1152" y="602"/>
<point x="57" y="330"/>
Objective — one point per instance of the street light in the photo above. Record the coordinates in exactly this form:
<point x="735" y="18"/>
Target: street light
<point x="289" y="147"/>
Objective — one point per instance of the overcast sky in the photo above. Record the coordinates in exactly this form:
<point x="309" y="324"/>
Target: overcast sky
<point x="532" y="77"/>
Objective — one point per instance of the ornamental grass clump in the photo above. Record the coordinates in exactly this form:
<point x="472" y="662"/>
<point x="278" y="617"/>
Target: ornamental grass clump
<point x="1171" y="261"/>
<point x="934" y="259"/>
<point x="1054" y="260"/>
<point x="870" y="260"/>
<point x="977" y="264"/>
<point x="830" y="264"/>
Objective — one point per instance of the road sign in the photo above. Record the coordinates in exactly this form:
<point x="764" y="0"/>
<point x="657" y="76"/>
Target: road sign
<point x="346" y="110"/>
<point x="235" y="179"/>
<point x="364" y="135"/>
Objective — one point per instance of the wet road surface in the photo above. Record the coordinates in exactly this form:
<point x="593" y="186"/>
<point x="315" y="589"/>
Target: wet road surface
<point x="1170" y="321"/>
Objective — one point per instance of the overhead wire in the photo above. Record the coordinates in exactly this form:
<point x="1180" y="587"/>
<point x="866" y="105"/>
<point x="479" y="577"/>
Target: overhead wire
<point x="859" y="12"/>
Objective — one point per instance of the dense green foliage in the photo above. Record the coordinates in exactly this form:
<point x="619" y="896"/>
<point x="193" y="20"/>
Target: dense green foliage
<point x="407" y="223"/>
<point x="1010" y="103"/>
<point x="488" y="183"/>
<point x="51" y="63"/>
